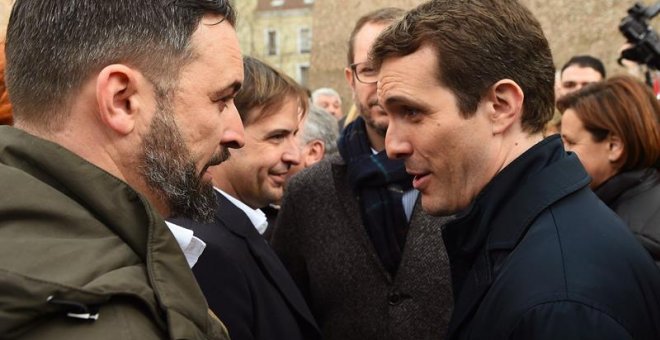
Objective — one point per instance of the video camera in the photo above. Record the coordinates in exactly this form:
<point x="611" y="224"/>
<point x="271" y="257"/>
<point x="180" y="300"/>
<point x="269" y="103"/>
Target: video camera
<point x="644" y="40"/>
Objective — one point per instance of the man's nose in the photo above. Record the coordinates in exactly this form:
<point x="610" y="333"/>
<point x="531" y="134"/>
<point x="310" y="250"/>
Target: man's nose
<point x="233" y="136"/>
<point x="292" y="152"/>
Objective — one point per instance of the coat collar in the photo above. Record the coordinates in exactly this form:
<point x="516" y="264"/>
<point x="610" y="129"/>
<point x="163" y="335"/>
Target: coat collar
<point x="618" y="187"/>
<point x="235" y="220"/>
<point x="501" y="215"/>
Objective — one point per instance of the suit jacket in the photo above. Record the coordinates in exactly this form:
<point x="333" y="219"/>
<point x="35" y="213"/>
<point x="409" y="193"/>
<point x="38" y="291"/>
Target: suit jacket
<point x="323" y="243"/>
<point x="245" y="283"/>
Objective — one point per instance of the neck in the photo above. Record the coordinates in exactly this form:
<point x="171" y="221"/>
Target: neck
<point x="517" y="146"/>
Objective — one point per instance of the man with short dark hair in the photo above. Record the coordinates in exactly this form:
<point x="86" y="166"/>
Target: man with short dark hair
<point x="119" y="109"/>
<point x="243" y="280"/>
<point x="534" y="254"/>
<point x="351" y="232"/>
<point x="579" y="71"/>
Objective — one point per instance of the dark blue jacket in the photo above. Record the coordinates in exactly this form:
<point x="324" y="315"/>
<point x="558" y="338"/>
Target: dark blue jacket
<point x="244" y="281"/>
<point x="539" y="256"/>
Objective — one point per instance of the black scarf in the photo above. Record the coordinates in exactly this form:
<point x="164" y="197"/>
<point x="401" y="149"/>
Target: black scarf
<point x="379" y="183"/>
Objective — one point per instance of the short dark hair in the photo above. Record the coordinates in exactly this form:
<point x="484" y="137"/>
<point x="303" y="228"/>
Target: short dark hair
<point x="586" y="61"/>
<point x="478" y="43"/>
<point x="265" y="88"/>
<point x="626" y="107"/>
<point x="53" y="46"/>
<point x="385" y="15"/>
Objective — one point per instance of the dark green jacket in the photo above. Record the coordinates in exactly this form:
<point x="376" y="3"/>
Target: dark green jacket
<point x="74" y="240"/>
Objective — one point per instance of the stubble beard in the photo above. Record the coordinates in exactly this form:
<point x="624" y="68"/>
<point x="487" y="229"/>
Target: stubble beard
<point x="365" y="112"/>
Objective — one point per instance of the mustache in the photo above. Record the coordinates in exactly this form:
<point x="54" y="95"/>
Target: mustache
<point x="373" y="102"/>
<point x="219" y="157"/>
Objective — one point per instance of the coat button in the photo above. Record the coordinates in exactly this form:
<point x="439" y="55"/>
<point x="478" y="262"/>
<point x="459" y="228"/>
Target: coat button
<point x="394" y="298"/>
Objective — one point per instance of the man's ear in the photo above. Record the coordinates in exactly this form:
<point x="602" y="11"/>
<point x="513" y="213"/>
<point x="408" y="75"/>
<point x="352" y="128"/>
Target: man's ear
<point x="616" y="147"/>
<point x="504" y="102"/>
<point x="315" y="152"/>
<point x="117" y="95"/>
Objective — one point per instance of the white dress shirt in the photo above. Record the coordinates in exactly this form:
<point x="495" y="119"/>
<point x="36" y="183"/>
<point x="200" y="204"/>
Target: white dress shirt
<point x="192" y="246"/>
<point x="256" y="216"/>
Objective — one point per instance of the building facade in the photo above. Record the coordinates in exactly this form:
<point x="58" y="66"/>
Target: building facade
<point x="279" y="32"/>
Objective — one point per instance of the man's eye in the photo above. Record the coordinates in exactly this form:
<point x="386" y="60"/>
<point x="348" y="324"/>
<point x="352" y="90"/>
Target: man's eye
<point x="569" y="85"/>
<point x="222" y="102"/>
<point x="410" y="112"/>
<point x="367" y="71"/>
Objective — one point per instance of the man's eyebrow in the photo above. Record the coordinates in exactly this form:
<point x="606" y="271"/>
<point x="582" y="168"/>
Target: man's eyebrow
<point x="229" y="90"/>
<point x="397" y="100"/>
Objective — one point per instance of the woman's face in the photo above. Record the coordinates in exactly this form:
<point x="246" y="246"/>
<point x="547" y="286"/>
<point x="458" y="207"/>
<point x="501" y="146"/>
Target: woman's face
<point x="595" y="156"/>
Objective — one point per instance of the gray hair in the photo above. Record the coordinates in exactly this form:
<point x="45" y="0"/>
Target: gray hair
<point x="53" y="46"/>
<point x="321" y="125"/>
<point x="325" y="91"/>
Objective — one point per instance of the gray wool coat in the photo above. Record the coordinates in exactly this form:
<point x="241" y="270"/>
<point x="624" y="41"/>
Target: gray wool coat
<point x="321" y="240"/>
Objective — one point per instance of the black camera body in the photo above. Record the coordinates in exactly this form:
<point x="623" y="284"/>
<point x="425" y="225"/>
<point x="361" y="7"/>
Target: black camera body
<point x="644" y="40"/>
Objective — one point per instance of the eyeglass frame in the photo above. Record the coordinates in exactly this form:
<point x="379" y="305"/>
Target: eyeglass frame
<point x="354" y="67"/>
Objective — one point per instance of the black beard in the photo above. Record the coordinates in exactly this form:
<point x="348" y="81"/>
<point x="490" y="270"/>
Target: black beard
<point x="169" y="170"/>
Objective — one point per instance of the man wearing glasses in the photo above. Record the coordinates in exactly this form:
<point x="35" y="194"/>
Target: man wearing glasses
<point x="369" y="262"/>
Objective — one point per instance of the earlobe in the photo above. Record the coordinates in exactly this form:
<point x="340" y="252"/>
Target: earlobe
<point x="116" y="90"/>
<point x="506" y="99"/>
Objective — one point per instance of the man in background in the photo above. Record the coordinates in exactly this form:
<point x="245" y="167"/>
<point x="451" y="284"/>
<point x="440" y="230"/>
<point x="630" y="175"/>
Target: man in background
<point x="579" y="71"/>
<point x="317" y="139"/>
<point x="329" y="100"/>
<point x="243" y="280"/>
<point x="370" y="263"/>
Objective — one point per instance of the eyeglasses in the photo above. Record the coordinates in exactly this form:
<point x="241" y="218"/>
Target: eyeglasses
<point x="364" y="73"/>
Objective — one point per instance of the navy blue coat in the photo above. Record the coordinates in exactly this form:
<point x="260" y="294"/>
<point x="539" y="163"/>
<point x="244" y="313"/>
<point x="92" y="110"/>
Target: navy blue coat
<point x="539" y="256"/>
<point x="244" y="281"/>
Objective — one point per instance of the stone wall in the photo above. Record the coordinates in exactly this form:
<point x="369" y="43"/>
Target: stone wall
<point x="572" y="27"/>
<point x="5" y="9"/>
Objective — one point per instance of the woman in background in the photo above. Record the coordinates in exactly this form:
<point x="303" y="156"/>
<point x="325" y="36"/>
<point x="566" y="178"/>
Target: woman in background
<point x="613" y="127"/>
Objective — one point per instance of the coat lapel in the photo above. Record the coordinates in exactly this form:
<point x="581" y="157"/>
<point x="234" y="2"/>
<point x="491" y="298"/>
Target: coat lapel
<point x="236" y="221"/>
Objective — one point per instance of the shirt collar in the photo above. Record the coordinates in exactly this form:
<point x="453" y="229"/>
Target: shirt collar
<point x="256" y="216"/>
<point x="191" y="246"/>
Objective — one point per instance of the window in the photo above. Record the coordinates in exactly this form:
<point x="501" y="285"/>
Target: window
<point x="305" y="40"/>
<point x="271" y="42"/>
<point x="276" y="3"/>
<point x="303" y="75"/>
<point x="309" y="1"/>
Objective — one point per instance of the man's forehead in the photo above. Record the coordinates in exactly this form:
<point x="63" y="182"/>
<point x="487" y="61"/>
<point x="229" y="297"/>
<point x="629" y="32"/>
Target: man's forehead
<point x="327" y="97"/>
<point x="580" y="73"/>
<point x="366" y="36"/>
